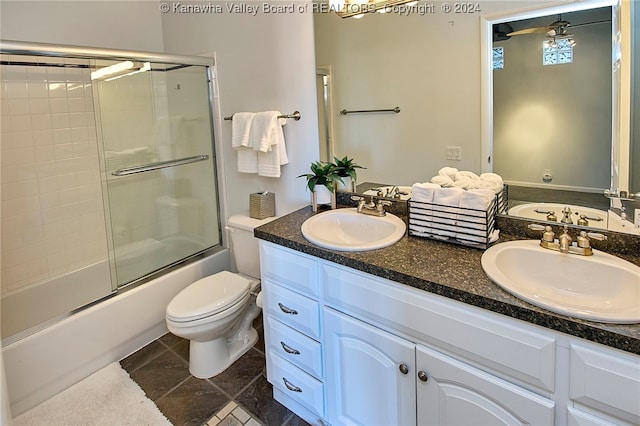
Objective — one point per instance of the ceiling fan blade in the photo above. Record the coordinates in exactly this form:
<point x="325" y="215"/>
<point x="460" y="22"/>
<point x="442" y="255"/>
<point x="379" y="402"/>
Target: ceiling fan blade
<point x="535" y="30"/>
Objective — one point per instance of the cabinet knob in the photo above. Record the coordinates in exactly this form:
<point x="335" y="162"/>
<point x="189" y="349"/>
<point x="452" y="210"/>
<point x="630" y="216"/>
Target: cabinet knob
<point x="423" y="376"/>
<point x="286" y="310"/>
<point x="404" y="369"/>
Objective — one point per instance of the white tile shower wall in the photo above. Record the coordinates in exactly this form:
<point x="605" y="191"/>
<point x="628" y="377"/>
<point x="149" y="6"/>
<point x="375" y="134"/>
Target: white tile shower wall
<point x="52" y="210"/>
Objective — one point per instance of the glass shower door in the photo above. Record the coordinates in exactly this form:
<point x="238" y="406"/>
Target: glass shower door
<point x="160" y="172"/>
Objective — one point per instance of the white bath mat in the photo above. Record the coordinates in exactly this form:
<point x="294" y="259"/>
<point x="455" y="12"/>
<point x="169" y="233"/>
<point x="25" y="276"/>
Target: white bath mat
<point x="108" y="397"/>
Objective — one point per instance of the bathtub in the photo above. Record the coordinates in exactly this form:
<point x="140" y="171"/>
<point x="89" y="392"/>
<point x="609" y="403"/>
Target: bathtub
<point x="50" y="360"/>
<point x="36" y="304"/>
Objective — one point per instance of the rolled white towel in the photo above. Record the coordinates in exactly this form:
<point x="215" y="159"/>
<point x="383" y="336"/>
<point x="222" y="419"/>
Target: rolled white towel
<point x="477" y="199"/>
<point x="449" y="172"/>
<point x="493" y="177"/>
<point x="423" y="192"/>
<point x="464" y="183"/>
<point x="495" y="186"/>
<point x="474" y="205"/>
<point x="443" y="181"/>
<point x="469" y="174"/>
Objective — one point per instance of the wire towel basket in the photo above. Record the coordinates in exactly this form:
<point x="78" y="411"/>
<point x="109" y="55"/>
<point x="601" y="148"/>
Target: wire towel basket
<point x="456" y="225"/>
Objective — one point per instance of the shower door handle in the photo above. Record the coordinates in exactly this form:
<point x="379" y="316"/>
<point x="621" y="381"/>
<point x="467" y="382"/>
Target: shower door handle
<point x="159" y="165"/>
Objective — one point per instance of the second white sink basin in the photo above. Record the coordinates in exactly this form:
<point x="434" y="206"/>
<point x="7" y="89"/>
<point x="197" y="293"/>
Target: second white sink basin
<point x="602" y="287"/>
<point x="348" y="230"/>
<point x="538" y="211"/>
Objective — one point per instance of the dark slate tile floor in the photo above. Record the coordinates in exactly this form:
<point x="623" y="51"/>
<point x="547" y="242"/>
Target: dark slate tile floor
<point x="239" y="395"/>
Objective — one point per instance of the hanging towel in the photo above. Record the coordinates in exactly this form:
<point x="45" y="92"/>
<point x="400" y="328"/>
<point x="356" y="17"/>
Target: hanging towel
<point x="241" y="142"/>
<point x="241" y="129"/>
<point x="267" y="137"/>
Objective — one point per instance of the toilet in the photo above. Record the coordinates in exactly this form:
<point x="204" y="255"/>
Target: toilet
<point x="216" y="312"/>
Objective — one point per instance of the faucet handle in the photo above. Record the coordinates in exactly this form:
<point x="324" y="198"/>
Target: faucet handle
<point x="356" y="198"/>
<point x="596" y="236"/>
<point x="536" y="227"/>
<point x="547" y="236"/>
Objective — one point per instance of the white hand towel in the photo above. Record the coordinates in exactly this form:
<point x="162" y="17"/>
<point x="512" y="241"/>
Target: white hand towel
<point x="474" y="205"/>
<point x="247" y="161"/>
<point x="269" y="161"/>
<point x="263" y="129"/>
<point x="423" y="192"/>
<point x="445" y="210"/>
<point x="241" y="129"/>
<point x="422" y="210"/>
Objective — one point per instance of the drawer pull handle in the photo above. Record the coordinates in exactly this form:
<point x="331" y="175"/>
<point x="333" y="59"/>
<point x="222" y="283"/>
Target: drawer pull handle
<point x="404" y="369"/>
<point x="288" y="349"/>
<point x="287" y="310"/>
<point x="423" y="376"/>
<point x="290" y="386"/>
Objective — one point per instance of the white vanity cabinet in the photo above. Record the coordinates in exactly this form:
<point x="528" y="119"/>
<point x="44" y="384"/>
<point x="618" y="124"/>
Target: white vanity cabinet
<point x="291" y="313"/>
<point x="375" y="352"/>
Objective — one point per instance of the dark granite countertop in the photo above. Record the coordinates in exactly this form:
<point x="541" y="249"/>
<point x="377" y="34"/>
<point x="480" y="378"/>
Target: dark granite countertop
<point x="448" y="270"/>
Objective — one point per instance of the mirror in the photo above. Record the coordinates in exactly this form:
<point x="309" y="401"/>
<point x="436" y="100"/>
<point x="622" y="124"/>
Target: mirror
<point x="383" y="61"/>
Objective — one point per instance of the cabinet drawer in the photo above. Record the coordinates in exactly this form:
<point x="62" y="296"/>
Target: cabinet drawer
<point x="295" y="347"/>
<point x="492" y="341"/>
<point x="296" y="271"/>
<point x="291" y="308"/>
<point x="295" y="383"/>
<point x="595" y="372"/>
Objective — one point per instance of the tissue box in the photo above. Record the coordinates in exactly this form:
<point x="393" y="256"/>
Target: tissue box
<point x="262" y="205"/>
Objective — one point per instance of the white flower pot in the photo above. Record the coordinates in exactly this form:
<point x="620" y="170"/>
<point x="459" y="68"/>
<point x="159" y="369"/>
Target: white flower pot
<point x="323" y="195"/>
<point x="346" y="185"/>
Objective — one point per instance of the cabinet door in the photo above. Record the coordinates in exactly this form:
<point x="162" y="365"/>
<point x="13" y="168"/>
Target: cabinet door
<point x="370" y="374"/>
<point x="450" y="392"/>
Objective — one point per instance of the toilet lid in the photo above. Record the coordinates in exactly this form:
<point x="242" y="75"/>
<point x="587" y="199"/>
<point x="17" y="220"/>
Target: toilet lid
<point x="208" y="296"/>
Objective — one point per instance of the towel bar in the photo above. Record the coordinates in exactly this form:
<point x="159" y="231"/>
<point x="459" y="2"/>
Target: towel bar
<point x="295" y="116"/>
<point x="345" y="112"/>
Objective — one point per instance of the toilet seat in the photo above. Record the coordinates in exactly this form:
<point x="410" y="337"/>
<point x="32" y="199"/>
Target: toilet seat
<point x="208" y="296"/>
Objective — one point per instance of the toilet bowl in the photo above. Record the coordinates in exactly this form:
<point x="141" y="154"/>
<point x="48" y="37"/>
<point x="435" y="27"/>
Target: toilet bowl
<point x="216" y="312"/>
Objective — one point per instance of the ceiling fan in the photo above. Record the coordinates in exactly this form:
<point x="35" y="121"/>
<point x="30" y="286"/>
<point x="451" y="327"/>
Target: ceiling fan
<point x="557" y="28"/>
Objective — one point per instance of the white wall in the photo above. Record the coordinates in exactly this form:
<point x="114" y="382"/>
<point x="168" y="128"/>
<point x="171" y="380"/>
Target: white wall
<point x="264" y="62"/>
<point x="127" y="25"/>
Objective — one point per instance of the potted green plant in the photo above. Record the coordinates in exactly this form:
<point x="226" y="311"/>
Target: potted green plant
<point x="346" y="170"/>
<point x="321" y="181"/>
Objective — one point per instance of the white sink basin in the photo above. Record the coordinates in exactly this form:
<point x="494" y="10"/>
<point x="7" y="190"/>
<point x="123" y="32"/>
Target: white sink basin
<point x="348" y="230"/>
<point x="597" y="218"/>
<point x="601" y="288"/>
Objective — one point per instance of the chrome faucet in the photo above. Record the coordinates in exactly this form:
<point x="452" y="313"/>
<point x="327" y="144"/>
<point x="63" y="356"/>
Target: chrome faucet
<point x="564" y="240"/>
<point x="564" y="243"/>
<point x="371" y="207"/>
<point x="566" y="212"/>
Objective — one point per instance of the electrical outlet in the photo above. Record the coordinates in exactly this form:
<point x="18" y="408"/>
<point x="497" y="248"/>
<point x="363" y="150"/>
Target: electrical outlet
<point x="454" y="152"/>
<point x="636" y="219"/>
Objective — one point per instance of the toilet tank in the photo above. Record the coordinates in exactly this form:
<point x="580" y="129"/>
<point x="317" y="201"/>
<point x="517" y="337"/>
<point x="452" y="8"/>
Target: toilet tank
<point x="244" y="246"/>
